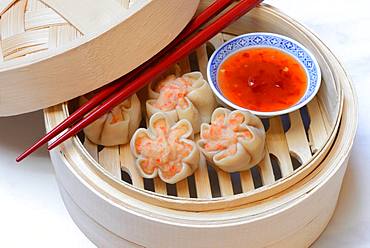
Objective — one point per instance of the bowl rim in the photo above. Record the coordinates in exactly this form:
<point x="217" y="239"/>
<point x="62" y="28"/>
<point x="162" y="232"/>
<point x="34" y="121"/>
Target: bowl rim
<point x="293" y="108"/>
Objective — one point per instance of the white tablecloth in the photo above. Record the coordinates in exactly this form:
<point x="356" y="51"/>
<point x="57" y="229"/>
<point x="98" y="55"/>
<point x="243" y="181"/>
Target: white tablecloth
<point x="32" y="213"/>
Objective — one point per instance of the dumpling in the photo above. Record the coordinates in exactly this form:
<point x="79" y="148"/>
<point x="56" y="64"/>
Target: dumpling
<point x="165" y="149"/>
<point x="234" y="141"/>
<point x="187" y="97"/>
<point x="117" y="126"/>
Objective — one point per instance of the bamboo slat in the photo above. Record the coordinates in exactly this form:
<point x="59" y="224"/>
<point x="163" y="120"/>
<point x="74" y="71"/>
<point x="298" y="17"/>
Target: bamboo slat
<point x="267" y="173"/>
<point x="317" y="130"/>
<point x="297" y="138"/>
<point x="12" y="21"/>
<point x="160" y="186"/>
<point x="278" y="146"/>
<point x="128" y="164"/>
<point x="182" y="188"/>
<point x="202" y="182"/>
<point x="224" y="180"/>
<point x="87" y="15"/>
<point x="29" y="26"/>
<point x="246" y="181"/>
<point x="109" y="158"/>
<point x="42" y="18"/>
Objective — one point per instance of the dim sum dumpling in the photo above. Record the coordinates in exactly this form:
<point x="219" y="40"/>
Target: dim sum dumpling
<point x="187" y="97"/>
<point x="234" y="141"/>
<point x="117" y="126"/>
<point x="165" y="149"/>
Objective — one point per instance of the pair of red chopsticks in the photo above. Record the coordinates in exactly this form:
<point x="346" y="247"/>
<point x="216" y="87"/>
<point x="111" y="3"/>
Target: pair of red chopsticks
<point x="117" y="92"/>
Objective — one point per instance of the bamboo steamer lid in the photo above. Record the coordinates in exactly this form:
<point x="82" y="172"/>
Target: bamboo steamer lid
<point x="54" y="50"/>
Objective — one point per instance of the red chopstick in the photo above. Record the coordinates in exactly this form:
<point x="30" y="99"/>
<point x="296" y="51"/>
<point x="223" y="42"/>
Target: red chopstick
<point x="209" y="13"/>
<point x="184" y="49"/>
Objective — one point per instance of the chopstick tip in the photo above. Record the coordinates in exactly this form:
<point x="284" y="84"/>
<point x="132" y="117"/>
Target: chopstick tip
<point x="20" y="158"/>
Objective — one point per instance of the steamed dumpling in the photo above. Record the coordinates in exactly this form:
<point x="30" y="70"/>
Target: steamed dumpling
<point x="187" y="97"/>
<point x="117" y="126"/>
<point x="165" y="149"/>
<point x="234" y="141"/>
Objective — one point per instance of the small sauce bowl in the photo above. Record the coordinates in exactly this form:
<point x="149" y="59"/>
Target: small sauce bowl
<point x="257" y="41"/>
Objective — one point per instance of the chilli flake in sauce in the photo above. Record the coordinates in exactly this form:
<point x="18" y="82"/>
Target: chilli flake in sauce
<point x="262" y="79"/>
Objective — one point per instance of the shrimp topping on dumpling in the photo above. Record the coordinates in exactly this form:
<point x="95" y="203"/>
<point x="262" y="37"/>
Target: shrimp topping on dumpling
<point x="234" y="141"/>
<point x="165" y="150"/>
<point x="117" y="126"/>
<point x="172" y="93"/>
<point x="188" y="97"/>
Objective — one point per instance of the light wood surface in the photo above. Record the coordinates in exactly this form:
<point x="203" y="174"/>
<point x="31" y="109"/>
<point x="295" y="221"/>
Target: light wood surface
<point x="105" y="41"/>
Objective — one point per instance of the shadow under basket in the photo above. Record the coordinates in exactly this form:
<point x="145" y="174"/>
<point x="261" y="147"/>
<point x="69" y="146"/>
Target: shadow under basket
<point x="284" y="201"/>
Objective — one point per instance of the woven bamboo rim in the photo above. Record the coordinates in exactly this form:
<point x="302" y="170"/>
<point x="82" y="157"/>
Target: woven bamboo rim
<point x="74" y="148"/>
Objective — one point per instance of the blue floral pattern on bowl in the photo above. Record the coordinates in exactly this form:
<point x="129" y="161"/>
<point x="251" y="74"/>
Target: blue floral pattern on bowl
<point x="270" y="40"/>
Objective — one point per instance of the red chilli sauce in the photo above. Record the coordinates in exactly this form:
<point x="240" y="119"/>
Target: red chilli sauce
<point x="262" y="79"/>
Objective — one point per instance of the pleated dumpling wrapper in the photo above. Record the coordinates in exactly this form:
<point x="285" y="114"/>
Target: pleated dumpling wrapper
<point x="187" y="97"/>
<point x="117" y="126"/>
<point x="234" y="141"/>
<point x="165" y="149"/>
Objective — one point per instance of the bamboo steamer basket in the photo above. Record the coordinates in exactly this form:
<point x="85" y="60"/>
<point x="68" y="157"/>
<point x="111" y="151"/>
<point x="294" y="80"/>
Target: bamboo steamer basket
<point x="259" y="209"/>
<point x="52" y="51"/>
<point x="296" y="144"/>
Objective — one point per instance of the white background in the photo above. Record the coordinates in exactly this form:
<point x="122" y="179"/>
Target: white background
<point x="32" y="213"/>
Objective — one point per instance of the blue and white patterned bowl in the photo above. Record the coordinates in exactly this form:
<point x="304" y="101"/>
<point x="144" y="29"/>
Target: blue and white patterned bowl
<point x="268" y="40"/>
